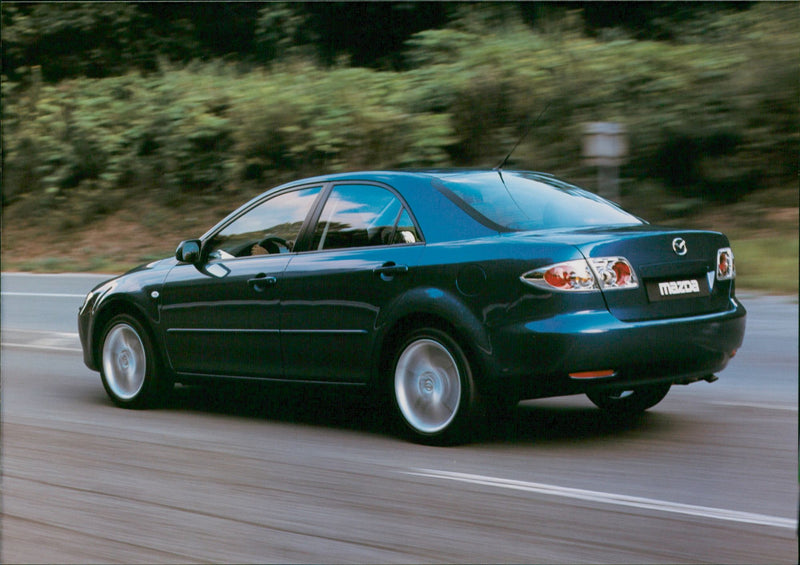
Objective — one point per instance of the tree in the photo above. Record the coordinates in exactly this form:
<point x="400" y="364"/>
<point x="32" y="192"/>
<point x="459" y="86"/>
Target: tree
<point x="64" y="40"/>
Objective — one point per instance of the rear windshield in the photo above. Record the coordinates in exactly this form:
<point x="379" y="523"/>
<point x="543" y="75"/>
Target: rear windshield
<point x="531" y="201"/>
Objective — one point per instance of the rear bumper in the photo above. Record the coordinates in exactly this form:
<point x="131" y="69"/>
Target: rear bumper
<point x="536" y="358"/>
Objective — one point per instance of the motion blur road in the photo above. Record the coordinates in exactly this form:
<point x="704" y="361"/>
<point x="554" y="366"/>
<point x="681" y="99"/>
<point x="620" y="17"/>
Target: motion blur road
<point x="288" y="474"/>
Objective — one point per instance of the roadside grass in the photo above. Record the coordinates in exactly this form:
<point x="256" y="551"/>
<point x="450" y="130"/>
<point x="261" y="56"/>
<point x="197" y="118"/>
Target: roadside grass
<point x="767" y="264"/>
<point x="97" y="264"/>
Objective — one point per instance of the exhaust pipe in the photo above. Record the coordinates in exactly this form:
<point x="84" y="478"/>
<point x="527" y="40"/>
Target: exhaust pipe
<point x="690" y="380"/>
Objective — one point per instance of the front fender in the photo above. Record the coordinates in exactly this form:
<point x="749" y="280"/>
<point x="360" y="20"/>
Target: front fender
<point x="137" y="293"/>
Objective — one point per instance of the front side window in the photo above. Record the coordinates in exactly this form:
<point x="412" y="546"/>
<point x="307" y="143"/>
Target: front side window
<point x="362" y="215"/>
<point x="271" y="227"/>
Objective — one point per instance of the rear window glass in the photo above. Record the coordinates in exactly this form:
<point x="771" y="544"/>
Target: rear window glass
<point x="529" y="201"/>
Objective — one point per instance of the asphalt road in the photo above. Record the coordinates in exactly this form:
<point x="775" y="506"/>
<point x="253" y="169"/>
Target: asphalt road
<point x="283" y="474"/>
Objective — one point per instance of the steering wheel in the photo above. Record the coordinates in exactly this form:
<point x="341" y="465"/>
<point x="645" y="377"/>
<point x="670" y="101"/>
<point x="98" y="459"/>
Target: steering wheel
<point x="273" y="244"/>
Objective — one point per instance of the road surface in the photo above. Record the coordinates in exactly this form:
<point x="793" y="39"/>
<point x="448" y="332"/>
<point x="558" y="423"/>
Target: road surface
<point x="294" y="475"/>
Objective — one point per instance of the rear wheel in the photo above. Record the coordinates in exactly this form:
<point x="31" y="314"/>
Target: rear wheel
<point x="128" y="364"/>
<point x="630" y="401"/>
<point x="433" y="389"/>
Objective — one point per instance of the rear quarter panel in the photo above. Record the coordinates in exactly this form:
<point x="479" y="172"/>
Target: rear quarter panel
<point x="475" y="286"/>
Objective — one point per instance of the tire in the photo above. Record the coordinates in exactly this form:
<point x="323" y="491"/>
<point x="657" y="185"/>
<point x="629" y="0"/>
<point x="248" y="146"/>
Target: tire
<point x="432" y="388"/>
<point x="128" y="364"/>
<point x="631" y="401"/>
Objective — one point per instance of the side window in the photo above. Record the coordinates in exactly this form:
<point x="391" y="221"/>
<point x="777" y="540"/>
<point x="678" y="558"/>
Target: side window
<point x="363" y="215"/>
<point x="270" y="227"/>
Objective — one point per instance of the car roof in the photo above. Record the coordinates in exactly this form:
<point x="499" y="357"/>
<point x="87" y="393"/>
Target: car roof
<point x="451" y="174"/>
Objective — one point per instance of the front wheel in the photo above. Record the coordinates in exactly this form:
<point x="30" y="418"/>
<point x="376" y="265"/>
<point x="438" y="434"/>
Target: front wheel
<point x="630" y="401"/>
<point x="128" y="363"/>
<point x="433" y="388"/>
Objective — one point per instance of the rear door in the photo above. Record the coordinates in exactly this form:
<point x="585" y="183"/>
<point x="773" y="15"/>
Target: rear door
<point x="363" y="253"/>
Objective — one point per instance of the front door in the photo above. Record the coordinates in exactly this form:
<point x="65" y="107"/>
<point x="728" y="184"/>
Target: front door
<point x="222" y="316"/>
<point x="224" y="319"/>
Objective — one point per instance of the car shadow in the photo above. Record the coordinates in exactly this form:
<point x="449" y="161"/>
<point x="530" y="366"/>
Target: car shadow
<point x="563" y="423"/>
<point x="332" y="406"/>
<point x="342" y="408"/>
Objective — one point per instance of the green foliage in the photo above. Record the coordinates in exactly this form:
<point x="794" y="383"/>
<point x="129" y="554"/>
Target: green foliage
<point x="337" y="120"/>
<point x="775" y="255"/>
<point x="712" y="118"/>
<point x="208" y="127"/>
<point x="711" y="115"/>
<point x="73" y="39"/>
<point x="281" y="32"/>
<point x="117" y="133"/>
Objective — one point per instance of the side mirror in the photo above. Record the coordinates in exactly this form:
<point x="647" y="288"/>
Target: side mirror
<point x="188" y="251"/>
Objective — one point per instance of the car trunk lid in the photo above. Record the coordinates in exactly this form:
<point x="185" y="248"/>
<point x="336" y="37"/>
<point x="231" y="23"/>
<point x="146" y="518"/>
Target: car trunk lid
<point x="676" y="269"/>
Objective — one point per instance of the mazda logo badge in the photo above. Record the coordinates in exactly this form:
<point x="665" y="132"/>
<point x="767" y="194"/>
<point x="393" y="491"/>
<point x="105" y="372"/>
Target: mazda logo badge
<point x="679" y="246"/>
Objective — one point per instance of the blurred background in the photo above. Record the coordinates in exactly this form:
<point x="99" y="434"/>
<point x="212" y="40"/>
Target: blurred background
<point x="130" y="126"/>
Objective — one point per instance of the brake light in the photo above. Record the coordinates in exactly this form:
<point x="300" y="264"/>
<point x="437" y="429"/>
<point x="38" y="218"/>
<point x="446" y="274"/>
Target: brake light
<point x="726" y="269"/>
<point x="608" y="273"/>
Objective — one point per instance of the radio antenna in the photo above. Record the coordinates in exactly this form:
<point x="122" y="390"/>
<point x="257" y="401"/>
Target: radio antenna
<point x="523" y="136"/>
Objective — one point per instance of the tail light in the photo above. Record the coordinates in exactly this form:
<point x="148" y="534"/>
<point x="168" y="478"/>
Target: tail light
<point x="572" y="275"/>
<point x="726" y="270"/>
<point x="607" y="273"/>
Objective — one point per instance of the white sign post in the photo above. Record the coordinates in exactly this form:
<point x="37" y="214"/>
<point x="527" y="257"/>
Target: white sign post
<point x="605" y="146"/>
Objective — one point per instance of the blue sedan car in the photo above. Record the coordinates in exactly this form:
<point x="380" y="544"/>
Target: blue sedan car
<point x="448" y="292"/>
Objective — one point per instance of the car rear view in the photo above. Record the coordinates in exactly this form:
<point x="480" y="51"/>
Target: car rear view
<point x="632" y="310"/>
<point x="673" y="318"/>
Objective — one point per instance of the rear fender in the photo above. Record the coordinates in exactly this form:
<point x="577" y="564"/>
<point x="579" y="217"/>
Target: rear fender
<point x="430" y="305"/>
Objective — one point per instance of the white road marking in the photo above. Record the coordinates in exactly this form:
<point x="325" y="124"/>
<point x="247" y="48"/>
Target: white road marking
<point x="42" y="294"/>
<point x="47" y="333"/>
<point x="610" y="498"/>
<point x="40" y="347"/>
<point x="755" y="405"/>
<point x="42" y="340"/>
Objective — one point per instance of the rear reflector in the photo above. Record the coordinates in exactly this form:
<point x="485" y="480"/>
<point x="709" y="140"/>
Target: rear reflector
<point x="593" y="374"/>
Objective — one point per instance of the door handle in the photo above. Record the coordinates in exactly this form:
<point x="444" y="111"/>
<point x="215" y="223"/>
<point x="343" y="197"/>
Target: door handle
<point x="389" y="270"/>
<point x="261" y="282"/>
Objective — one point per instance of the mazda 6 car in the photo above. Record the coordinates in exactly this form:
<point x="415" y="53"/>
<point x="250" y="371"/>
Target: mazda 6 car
<point x="446" y="292"/>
